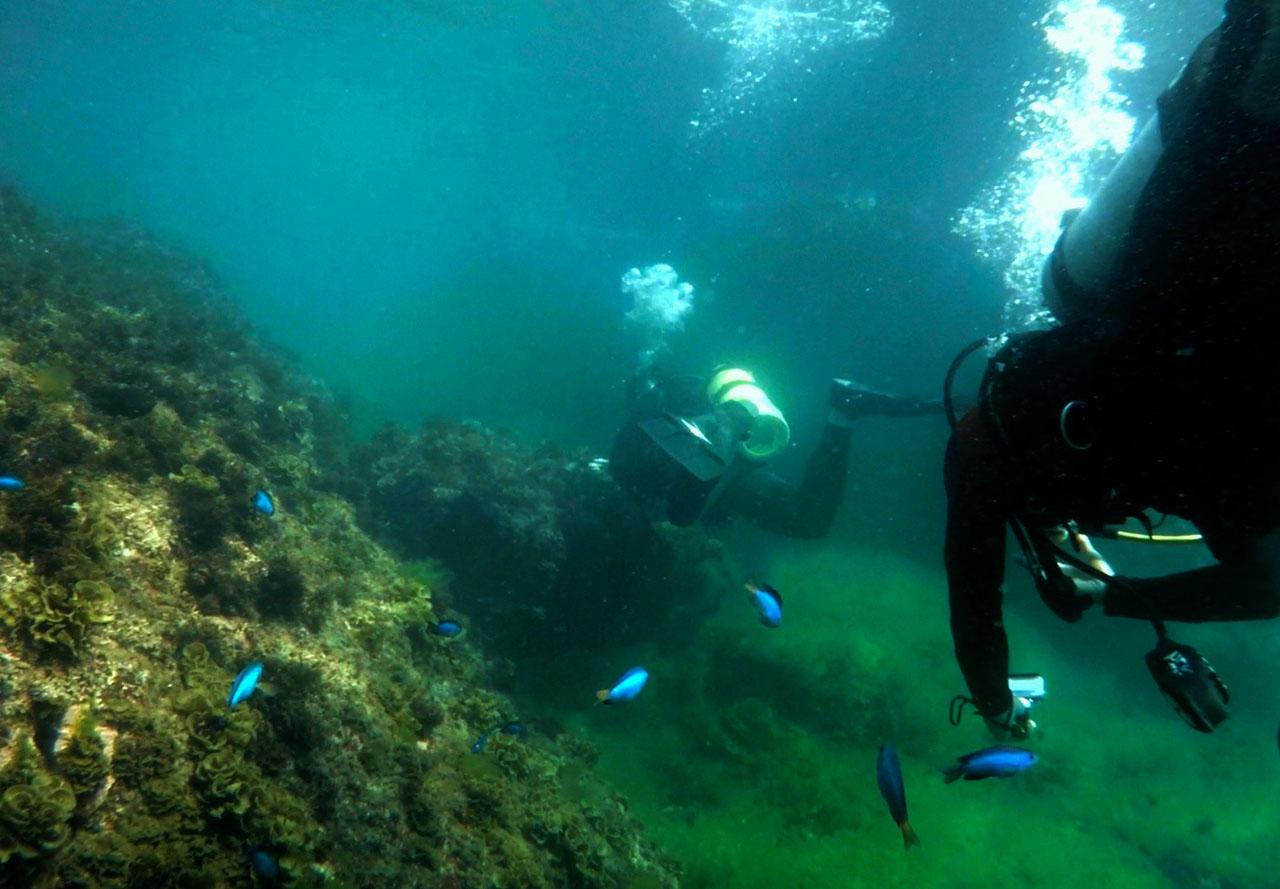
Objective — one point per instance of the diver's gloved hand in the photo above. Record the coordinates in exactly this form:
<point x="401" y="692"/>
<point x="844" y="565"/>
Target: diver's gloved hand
<point x="1015" y="723"/>
<point x="1088" y="590"/>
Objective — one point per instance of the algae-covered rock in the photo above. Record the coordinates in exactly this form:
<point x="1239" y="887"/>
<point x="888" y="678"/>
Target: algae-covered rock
<point x="136" y="580"/>
<point x="524" y="532"/>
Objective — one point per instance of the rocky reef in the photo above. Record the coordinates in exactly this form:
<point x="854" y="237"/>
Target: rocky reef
<point x="550" y="559"/>
<point x="137" y="578"/>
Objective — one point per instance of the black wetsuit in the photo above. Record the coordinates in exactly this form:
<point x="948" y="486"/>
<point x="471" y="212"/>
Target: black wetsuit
<point x="1176" y="376"/>
<point x="753" y="491"/>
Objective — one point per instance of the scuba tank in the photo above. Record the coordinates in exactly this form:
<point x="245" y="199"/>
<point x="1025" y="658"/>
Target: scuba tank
<point x="766" y="430"/>
<point x="1076" y="277"/>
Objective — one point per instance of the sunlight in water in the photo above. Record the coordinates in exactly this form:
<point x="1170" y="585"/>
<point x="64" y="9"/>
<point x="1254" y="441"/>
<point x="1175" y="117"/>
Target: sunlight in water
<point x="764" y="38"/>
<point x="1075" y="125"/>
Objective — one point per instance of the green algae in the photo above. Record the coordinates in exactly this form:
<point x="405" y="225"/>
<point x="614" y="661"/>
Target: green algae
<point x="35" y="806"/>
<point x="83" y="762"/>
<point x="54" y="618"/>
<point x="138" y="580"/>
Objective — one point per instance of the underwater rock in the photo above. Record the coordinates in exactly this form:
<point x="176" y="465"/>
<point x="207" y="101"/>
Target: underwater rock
<point x="523" y="533"/>
<point x="136" y="580"/>
<point x="121" y="400"/>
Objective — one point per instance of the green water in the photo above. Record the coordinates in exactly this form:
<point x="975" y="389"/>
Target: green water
<point x="429" y="205"/>
<point x="772" y="782"/>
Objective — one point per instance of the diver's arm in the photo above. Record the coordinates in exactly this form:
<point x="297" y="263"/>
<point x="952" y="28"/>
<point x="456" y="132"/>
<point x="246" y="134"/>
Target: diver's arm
<point x="850" y="401"/>
<point x="920" y="407"/>
<point x="975" y="552"/>
<point x="1245" y="585"/>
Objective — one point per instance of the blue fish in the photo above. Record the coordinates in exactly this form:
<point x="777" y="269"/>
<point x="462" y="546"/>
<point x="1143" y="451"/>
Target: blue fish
<point x="480" y="743"/>
<point x="889" y="777"/>
<point x="263" y="503"/>
<point x="515" y="728"/>
<point x="11" y="483"/>
<point x="626" y="688"/>
<point x="992" y="762"/>
<point x="264" y="864"/>
<point x="768" y="602"/>
<point x="446" y="628"/>
<point x="244" y="683"/>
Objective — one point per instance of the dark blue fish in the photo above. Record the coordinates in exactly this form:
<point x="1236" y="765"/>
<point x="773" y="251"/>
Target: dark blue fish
<point x="264" y="864"/>
<point x="244" y="683"/>
<point x="263" y="503"/>
<point x="11" y="483"/>
<point x="768" y="602"/>
<point x="515" y="728"/>
<point x="480" y="743"/>
<point x="889" y="777"/>
<point x="446" y="628"/>
<point x="993" y="762"/>
<point x="626" y="688"/>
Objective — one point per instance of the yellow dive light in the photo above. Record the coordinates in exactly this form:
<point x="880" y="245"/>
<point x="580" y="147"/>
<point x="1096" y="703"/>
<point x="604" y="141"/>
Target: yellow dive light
<point x="768" y="432"/>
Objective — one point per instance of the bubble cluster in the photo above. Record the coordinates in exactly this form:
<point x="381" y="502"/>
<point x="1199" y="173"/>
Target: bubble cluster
<point x="1075" y="126"/>
<point x="660" y="303"/>
<point x="767" y="38"/>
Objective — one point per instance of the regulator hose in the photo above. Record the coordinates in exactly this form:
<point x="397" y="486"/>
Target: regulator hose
<point x="947" y="403"/>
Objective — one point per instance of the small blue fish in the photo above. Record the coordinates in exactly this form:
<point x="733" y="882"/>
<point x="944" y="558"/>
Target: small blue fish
<point x="626" y="688"/>
<point x="244" y="683"/>
<point x="264" y="864"/>
<point x="446" y="628"/>
<point x="11" y="483"/>
<point x="263" y="503"/>
<point x="768" y="602"/>
<point x="480" y="743"/>
<point x="889" y="778"/>
<point x="992" y="762"/>
<point x="515" y="728"/>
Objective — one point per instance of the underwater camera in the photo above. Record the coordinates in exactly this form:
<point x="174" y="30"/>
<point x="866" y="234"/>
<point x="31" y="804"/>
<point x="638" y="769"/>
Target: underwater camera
<point x="1029" y="686"/>
<point x="1189" y="682"/>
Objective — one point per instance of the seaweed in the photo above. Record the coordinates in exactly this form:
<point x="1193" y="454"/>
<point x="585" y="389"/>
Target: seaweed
<point x="53" y="618"/>
<point x="137" y="580"/>
<point x="35" y="806"/>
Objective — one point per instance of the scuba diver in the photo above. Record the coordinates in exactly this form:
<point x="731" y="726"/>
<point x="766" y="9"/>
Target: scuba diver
<point x="697" y="451"/>
<point x="1157" y="391"/>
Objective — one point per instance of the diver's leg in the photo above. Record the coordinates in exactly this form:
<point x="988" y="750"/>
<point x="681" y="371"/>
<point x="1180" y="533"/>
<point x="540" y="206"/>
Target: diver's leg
<point x="806" y="511"/>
